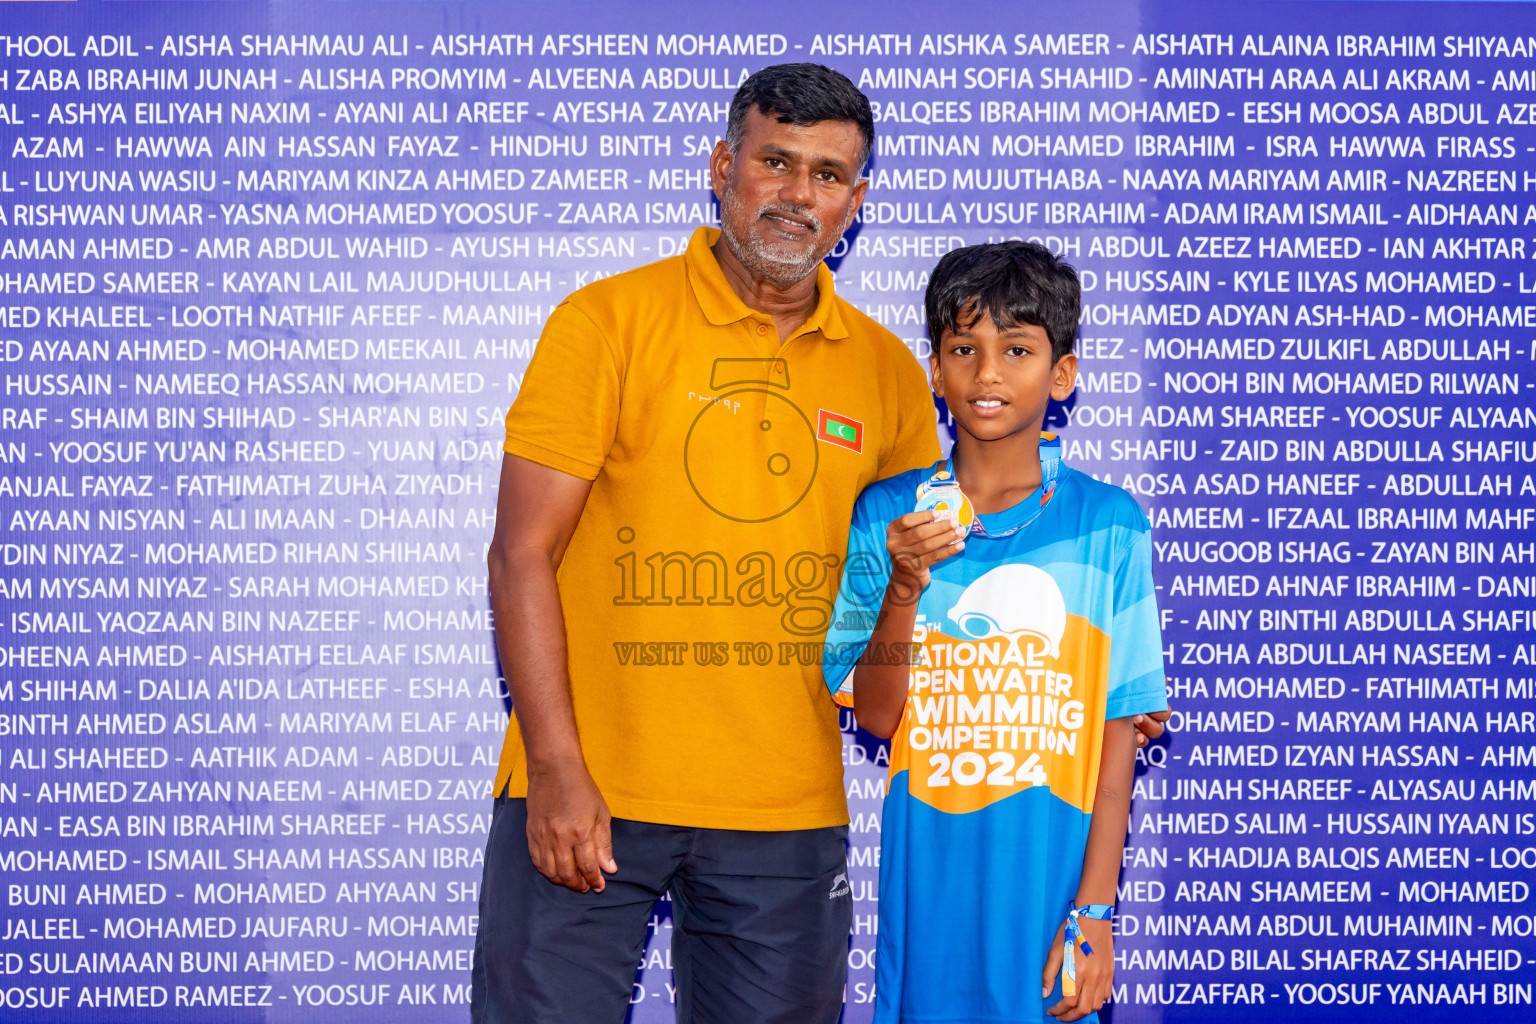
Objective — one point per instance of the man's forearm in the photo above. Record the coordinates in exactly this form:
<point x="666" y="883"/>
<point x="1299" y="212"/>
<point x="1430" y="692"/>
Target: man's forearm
<point x="1111" y="812"/>
<point x="530" y="635"/>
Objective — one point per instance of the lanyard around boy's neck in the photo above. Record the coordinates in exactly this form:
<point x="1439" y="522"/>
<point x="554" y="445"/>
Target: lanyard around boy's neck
<point x="1050" y="465"/>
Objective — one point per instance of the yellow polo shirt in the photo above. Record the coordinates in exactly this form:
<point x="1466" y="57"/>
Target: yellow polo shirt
<point x="700" y="580"/>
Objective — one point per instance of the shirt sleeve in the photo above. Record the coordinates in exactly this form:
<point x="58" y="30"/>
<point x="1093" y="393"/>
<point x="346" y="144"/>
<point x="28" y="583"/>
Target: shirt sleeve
<point x="917" y="426"/>
<point x="1136" y="676"/>
<point x="567" y="409"/>
<point x="859" y="597"/>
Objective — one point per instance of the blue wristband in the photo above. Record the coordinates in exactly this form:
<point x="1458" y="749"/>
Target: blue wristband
<point x="1074" y="936"/>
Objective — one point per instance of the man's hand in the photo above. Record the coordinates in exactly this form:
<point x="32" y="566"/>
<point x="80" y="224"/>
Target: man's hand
<point x="1150" y="726"/>
<point x="1095" y="974"/>
<point x="569" y="834"/>
<point x="919" y="539"/>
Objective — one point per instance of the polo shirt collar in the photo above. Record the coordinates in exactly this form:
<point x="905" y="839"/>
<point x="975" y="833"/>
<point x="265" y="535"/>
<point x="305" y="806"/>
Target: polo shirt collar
<point x="721" y="305"/>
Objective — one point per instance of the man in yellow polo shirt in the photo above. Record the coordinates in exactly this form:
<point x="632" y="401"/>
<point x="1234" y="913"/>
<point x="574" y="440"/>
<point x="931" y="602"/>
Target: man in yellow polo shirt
<point x="682" y="462"/>
<point x="681" y="466"/>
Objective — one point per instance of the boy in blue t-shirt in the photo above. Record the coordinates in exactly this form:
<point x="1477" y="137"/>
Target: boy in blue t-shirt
<point x="997" y="618"/>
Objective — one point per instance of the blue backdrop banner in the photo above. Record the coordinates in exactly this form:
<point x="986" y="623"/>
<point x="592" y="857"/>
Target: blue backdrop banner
<point x="270" y="274"/>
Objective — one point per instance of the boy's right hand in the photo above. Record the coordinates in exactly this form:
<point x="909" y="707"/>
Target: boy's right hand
<point x="919" y="539"/>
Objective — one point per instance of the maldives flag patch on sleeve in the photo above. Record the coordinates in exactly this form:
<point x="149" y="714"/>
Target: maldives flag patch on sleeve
<point x="840" y="430"/>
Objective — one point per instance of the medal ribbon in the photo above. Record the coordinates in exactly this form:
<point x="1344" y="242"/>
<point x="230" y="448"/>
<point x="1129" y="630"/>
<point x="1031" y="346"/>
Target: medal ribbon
<point x="1074" y="936"/>
<point x="1050" y="467"/>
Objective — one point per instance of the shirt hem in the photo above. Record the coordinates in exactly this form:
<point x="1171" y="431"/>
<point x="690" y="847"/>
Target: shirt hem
<point x="690" y="816"/>
<point x="1136" y="704"/>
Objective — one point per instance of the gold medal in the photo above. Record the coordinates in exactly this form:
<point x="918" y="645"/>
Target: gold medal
<point x="942" y="494"/>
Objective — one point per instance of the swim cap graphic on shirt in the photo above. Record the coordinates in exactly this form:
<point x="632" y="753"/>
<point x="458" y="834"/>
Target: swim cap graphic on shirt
<point x="1010" y="600"/>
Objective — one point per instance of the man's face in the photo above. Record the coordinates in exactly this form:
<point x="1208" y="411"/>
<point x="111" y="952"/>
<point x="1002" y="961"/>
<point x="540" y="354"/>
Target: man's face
<point x="787" y="194"/>
<point x="999" y="381"/>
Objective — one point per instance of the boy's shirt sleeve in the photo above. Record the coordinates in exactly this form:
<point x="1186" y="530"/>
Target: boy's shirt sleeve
<point x="567" y="410"/>
<point x="859" y="596"/>
<point x="1136" y="676"/>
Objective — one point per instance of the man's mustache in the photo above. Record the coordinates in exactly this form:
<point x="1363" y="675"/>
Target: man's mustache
<point x="795" y="211"/>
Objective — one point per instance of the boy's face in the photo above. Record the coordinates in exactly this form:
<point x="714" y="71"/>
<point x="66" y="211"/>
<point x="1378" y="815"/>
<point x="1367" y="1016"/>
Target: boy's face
<point x="998" y="382"/>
